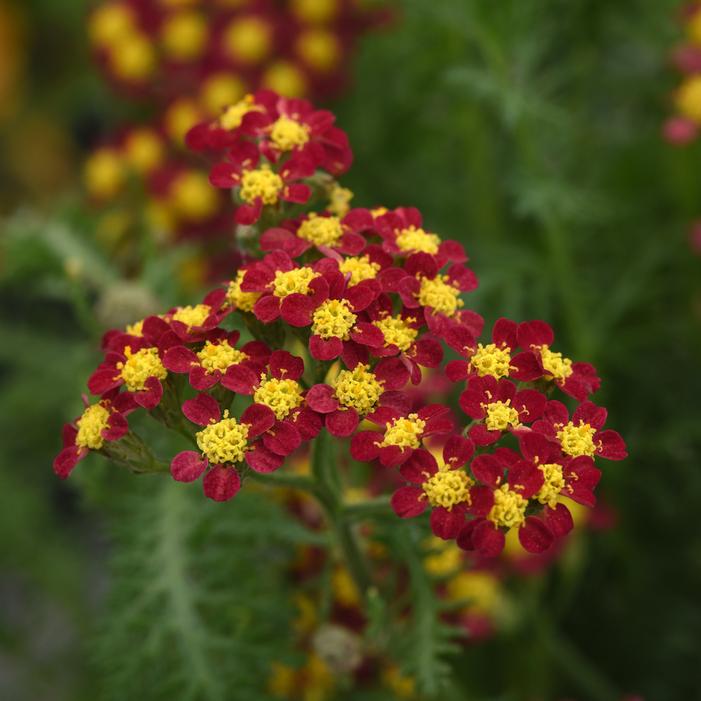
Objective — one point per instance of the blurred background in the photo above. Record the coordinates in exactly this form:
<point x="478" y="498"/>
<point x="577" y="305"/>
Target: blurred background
<point x="531" y="132"/>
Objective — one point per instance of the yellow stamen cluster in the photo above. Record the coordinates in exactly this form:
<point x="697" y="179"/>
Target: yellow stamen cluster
<point x="144" y="149"/>
<point x="135" y="329"/>
<point x="491" y="360"/>
<point x="294" y="281"/>
<point x="239" y="299"/>
<point x="315" y="11"/>
<point x="219" y="356"/>
<point x="193" y="198"/>
<point x="359" y="268"/>
<point x="319" y="48"/>
<point x="413" y="239"/>
<point x="261" y="183"/>
<point x="139" y="366"/>
<point x="479" y="589"/>
<point x="404" y="432"/>
<point x="286" y="78"/>
<point x="287" y="134"/>
<point x="234" y="114"/>
<point x="447" y="488"/>
<point x="339" y="200"/>
<point x="192" y="316"/>
<point x="555" y="364"/>
<point x="282" y="396"/>
<point x="500" y="416"/>
<point x="444" y="559"/>
<point x="358" y="389"/>
<point x="183" y="35"/>
<point x="509" y="508"/>
<point x="333" y="319"/>
<point x="553" y="484"/>
<point x="248" y="39"/>
<point x="440" y="295"/>
<point x="577" y="440"/>
<point x="397" y="331"/>
<point x="321" y="231"/>
<point x="91" y="425"/>
<point x="225" y="441"/>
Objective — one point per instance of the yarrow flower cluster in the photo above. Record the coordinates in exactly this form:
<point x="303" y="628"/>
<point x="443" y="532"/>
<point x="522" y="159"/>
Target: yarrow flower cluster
<point x="198" y="60"/>
<point x="346" y="309"/>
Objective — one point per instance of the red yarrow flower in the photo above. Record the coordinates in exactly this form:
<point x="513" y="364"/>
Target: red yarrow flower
<point x="328" y="233"/>
<point x="579" y="380"/>
<point x="259" y="184"/>
<point x="138" y="367"/>
<point x="402" y="434"/>
<point x="100" y="423"/>
<point x="443" y="486"/>
<point x="207" y="366"/>
<point x="226" y="442"/>
<point x="582" y="434"/>
<point x="354" y="394"/>
<point x="498" y="407"/>
<point x="402" y="235"/>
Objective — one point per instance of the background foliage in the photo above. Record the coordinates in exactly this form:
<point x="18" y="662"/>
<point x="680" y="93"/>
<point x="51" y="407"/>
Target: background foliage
<point x="529" y="131"/>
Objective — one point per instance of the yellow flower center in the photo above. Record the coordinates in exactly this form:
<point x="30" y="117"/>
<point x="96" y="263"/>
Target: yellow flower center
<point x="223" y="441"/>
<point x="90" y="427"/>
<point x="577" y="440"/>
<point x="447" y="488"/>
<point x="440" y="295"/>
<point x="293" y="281"/>
<point x="491" y="360"/>
<point x="219" y="356"/>
<point x="319" y="48"/>
<point x="109" y="24"/>
<point x="333" y="319"/>
<point x="144" y="149"/>
<point x="193" y="316"/>
<point x="139" y="366"/>
<point x="445" y="557"/>
<point x="234" y="114"/>
<point x="135" y="329"/>
<point x="193" y="197"/>
<point x="413" y="239"/>
<point x="509" y="508"/>
<point x="236" y="297"/>
<point x="184" y="35"/>
<point x="282" y="396"/>
<point x="104" y="173"/>
<point x="358" y="389"/>
<point x="285" y="78"/>
<point x="555" y="364"/>
<point x="480" y="589"/>
<point x="288" y="134"/>
<point x="500" y="416"/>
<point x="134" y="58"/>
<point x="553" y="484"/>
<point x="339" y="200"/>
<point x="397" y="331"/>
<point x="359" y="268"/>
<point x="248" y="39"/>
<point x="688" y="98"/>
<point x="180" y="117"/>
<point x="321" y="231"/>
<point x="314" y="11"/>
<point x="219" y="91"/>
<point x="261" y="183"/>
<point x="404" y="432"/>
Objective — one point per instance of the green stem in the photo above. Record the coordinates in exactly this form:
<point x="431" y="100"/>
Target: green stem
<point x="325" y="472"/>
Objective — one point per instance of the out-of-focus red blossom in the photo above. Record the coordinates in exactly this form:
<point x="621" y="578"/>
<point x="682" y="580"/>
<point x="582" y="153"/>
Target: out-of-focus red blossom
<point x="695" y="238"/>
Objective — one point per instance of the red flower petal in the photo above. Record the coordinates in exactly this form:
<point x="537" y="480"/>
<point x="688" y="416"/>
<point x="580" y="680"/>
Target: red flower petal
<point x="179" y="359"/>
<point x="487" y="539"/>
<point x="202" y="410"/>
<point x="240" y="379"/>
<point x="282" y="439"/>
<point x="487" y="469"/>
<point x="558" y="520"/>
<point x="364" y="446"/>
<point x="284" y="365"/>
<point x="342" y="422"/>
<point x="262" y="460"/>
<point x="221" y="483"/>
<point x="447" y="524"/>
<point x="321" y="398"/>
<point x="535" y="536"/>
<point x="187" y="466"/>
<point x="259" y="418"/>
<point x="325" y="349"/>
<point x="67" y="459"/>
<point x="407" y="502"/>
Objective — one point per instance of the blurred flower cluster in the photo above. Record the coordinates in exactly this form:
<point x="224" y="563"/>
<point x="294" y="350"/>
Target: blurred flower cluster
<point x="187" y="62"/>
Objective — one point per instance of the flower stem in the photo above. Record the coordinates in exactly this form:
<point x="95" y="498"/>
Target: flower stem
<point x="326" y="474"/>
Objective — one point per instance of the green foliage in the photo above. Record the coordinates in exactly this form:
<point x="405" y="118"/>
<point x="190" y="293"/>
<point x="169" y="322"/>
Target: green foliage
<point x="198" y="606"/>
